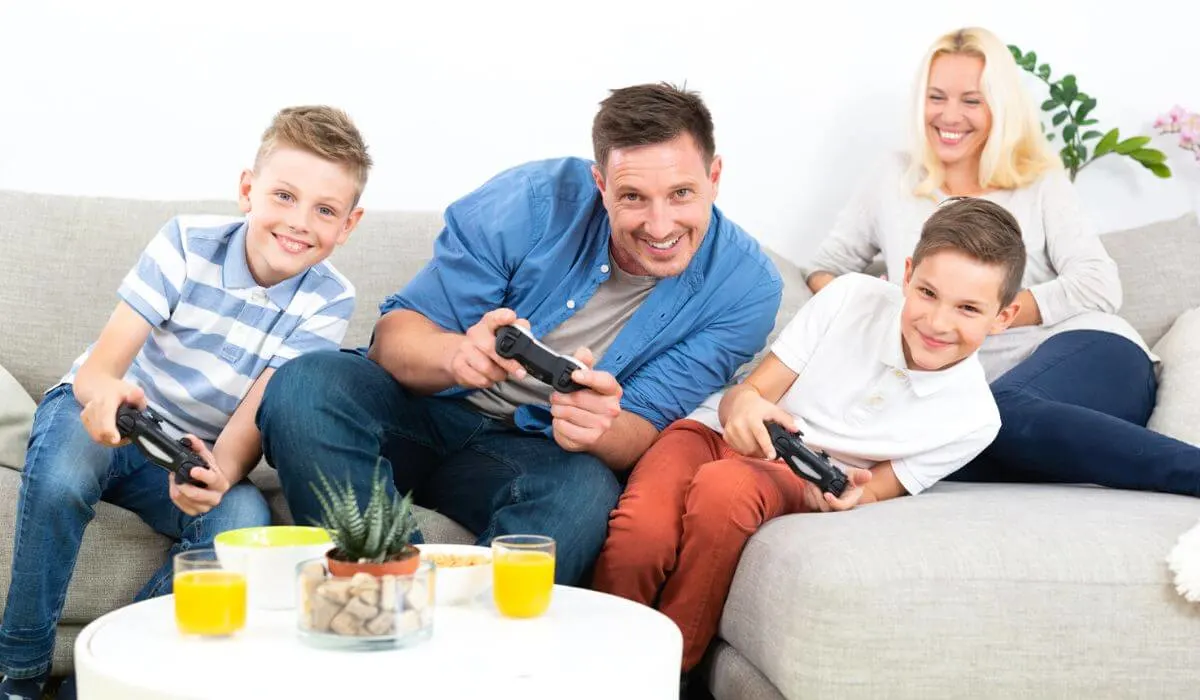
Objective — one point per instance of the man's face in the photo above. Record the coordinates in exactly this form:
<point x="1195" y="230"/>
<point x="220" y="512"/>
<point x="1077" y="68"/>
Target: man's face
<point x="659" y="200"/>
<point x="951" y="305"/>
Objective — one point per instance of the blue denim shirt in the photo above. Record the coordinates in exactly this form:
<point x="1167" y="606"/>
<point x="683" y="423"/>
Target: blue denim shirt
<point x="535" y="239"/>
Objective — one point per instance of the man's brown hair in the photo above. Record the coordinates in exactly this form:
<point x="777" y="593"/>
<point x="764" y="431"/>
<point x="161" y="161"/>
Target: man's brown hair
<point x="983" y="231"/>
<point x="325" y="132"/>
<point x="643" y="115"/>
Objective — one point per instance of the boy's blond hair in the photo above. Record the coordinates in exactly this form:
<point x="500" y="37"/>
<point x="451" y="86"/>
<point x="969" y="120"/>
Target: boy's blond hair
<point x="1017" y="152"/>
<point x="325" y="132"/>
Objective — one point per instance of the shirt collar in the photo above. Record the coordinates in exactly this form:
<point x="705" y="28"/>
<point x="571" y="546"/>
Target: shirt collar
<point x="235" y="271"/>
<point x="891" y="354"/>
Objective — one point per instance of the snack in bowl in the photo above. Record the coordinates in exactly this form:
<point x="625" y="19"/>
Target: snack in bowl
<point x="268" y="556"/>
<point x="463" y="571"/>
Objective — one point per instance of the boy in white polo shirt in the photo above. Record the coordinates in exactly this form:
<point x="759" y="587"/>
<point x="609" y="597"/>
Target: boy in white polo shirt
<point x="883" y="378"/>
<point x="211" y="309"/>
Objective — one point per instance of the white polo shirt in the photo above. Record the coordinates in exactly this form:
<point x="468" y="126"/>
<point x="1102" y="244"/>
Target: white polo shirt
<point x="859" y="400"/>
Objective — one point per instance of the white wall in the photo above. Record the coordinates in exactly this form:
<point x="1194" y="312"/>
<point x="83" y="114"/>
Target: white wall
<point x="164" y="99"/>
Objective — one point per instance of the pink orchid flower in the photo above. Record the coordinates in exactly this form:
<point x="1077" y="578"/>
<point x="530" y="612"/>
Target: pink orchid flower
<point x="1189" y="137"/>
<point x="1170" y="122"/>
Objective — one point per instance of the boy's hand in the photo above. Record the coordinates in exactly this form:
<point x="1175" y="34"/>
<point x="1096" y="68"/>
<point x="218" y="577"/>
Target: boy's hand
<point x="475" y="363"/>
<point x="99" y="415"/>
<point x="194" y="500"/>
<point x="582" y="417"/>
<point x="815" y="500"/>
<point x="746" y="430"/>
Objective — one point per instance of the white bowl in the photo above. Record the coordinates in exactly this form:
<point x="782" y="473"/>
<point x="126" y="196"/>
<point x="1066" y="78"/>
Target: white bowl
<point x="456" y="585"/>
<point x="268" y="557"/>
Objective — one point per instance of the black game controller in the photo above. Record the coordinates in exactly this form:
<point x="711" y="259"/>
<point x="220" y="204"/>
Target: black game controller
<point x="809" y="465"/>
<point x="145" y="430"/>
<point x="516" y="343"/>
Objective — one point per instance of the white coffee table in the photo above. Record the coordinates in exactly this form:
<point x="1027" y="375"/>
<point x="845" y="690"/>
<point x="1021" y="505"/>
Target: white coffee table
<point x="587" y="645"/>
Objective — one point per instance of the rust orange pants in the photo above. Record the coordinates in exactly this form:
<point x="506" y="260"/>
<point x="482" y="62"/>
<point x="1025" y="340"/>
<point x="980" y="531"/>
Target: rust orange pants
<point x="679" y="528"/>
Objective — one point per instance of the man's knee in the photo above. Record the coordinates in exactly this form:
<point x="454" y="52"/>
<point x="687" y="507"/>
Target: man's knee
<point x="582" y="495"/>
<point x="595" y="489"/>
<point x="299" y="385"/>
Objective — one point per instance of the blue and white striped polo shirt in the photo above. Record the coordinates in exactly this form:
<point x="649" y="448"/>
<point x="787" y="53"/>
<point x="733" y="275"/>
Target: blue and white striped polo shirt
<point x="214" y="329"/>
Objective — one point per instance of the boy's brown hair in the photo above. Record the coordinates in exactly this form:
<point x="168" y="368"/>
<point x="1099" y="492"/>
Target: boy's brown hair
<point x="325" y="132"/>
<point x="981" y="230"/>
<point x="643" y="115"/>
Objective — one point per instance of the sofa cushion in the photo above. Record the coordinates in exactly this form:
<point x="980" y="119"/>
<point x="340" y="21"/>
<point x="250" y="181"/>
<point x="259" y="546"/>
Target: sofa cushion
<point x="1177" y="408"/>
<point x="16" y="418"/>
<point x="1160" y="272"/>
<point x="1032" y="586"/>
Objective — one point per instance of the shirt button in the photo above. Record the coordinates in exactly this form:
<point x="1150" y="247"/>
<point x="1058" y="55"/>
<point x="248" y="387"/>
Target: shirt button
<point x="604" y="268"/>
<point x="875" y="400"/>
<point x="899" y="373"/>
<point x="570" y="303"/>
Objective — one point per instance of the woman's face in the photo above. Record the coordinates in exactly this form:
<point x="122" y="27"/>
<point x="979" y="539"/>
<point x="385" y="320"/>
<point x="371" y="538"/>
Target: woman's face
<point x="957" y="119"/>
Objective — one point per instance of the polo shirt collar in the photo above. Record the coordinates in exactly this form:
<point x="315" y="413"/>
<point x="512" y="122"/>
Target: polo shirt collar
<point x="235" y="271"/>
<point x="892" y="355"/>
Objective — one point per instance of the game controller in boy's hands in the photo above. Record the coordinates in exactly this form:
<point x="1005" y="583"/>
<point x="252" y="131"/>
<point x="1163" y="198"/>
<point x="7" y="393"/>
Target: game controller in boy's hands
<point x="145" y="430"/>
<point x="808" y="465"/>
<point x="516" y="343"/>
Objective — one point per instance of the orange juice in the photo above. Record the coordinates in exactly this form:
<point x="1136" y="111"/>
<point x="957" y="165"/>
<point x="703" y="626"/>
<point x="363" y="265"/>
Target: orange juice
<point x="210" y="602"/>
<point x="522" y="582"/>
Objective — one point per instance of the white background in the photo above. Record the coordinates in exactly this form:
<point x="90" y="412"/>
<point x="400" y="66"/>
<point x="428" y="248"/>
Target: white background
<point x="167" y="100"/>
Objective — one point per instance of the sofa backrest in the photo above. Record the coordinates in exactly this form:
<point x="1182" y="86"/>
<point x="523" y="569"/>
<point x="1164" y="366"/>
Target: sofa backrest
<point x="1160" y="272"/>
<point x="64" y="257"/>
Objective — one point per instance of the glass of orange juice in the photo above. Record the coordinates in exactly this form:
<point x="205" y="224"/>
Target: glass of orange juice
<point x="210" y="600"/>
<point x="522" y="574"/>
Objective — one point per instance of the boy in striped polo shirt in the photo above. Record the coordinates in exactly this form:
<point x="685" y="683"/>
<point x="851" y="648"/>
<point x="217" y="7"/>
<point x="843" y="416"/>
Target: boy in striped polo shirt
<point x="213" y="307"/>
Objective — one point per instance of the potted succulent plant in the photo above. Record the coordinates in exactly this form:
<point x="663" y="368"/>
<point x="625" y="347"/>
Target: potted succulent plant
<point x="374" y="539"/>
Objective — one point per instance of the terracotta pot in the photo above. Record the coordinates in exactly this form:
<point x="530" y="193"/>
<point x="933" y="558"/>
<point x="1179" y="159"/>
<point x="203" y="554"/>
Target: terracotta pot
<point x="402" y="564"/>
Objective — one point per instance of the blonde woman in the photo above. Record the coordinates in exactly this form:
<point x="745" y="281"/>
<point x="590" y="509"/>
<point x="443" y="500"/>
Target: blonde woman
<point x="1075" y="383"/>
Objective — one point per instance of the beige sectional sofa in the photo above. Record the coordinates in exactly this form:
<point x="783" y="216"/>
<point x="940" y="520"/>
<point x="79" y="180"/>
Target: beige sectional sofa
<point x="969" y="590"/>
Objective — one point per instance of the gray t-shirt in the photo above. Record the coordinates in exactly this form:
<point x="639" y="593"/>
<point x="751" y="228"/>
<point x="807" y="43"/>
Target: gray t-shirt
<point x="594" y="326"/>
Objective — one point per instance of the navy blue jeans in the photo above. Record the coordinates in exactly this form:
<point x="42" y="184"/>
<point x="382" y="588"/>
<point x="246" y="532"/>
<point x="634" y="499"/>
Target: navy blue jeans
<point x="1075" y="411"/>
<point x="66" y="474"/>
<point x="339" y="412"/>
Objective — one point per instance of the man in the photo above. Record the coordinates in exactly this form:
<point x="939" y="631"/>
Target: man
<point x="624" y="262"/>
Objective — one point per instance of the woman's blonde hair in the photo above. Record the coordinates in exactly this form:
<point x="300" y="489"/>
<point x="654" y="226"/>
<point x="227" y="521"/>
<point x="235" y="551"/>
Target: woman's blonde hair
<point x="1016" y="152"/>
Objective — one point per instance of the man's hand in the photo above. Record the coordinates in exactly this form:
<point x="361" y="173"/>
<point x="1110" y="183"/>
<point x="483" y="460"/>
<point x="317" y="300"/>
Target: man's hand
<point x="816" y="501"/>
<point x="195" y="500"/>
<point x="582" y="417"/>
<point x="475" y="364"/>
<point x="99" y="415"/>
<point x="746" y="430"/>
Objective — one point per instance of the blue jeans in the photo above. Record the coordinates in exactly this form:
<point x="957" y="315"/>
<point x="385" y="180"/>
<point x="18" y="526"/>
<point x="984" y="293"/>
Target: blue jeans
<point x="1075" y="411"/>
<point x="66" y="474"/>
<point x="339" y="412"/>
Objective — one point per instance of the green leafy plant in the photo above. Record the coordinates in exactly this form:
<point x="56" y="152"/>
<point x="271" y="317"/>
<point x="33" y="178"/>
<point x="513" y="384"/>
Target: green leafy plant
<point x="378" y="532"/>
<point x="1072" y="111"/>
